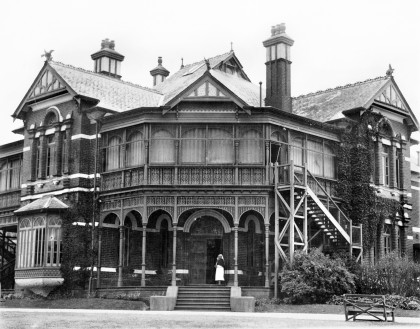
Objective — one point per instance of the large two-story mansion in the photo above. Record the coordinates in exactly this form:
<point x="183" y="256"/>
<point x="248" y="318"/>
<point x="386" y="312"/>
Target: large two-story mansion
<point x="202" y="163"/>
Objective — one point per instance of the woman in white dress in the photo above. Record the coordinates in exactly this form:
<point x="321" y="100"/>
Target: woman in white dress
<point x="220" y="269"/>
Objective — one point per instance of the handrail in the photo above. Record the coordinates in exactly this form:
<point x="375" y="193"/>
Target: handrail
<point x="326" y="193"/>
<point x="10" y="243"/>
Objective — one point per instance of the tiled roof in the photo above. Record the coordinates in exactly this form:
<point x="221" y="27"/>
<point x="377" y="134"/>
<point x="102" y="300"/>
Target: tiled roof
<point x="180" y="80"/>
<point x="42" y="204"/>
<point x="242" y="88"/>
<point x="329" y="104"/>
<point x="114" y="94"/>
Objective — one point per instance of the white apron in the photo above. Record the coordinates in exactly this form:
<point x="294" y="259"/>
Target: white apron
<point x="220" y="273"/>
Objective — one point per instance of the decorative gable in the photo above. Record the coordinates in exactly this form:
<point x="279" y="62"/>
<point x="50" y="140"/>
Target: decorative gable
<point x="47" y="83"/>
<point x="391" y="96"/>
<point x="206" y="89"/>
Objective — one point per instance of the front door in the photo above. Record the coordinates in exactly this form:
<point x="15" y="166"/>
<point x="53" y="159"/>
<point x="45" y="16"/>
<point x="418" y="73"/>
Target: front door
<point x="198" y="261"/>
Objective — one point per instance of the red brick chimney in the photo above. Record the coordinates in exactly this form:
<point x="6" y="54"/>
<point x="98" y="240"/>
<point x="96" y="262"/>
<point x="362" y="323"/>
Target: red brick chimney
<point x="278" y="93"/>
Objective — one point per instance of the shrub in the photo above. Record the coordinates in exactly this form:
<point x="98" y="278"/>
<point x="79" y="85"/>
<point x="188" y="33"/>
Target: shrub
<point x="393" y="274"/>
<point x="315" y="278"/>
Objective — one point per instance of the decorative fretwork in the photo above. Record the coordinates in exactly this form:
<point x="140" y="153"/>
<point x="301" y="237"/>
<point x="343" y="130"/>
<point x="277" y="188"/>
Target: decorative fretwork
<point x="160" y="200"/>
<point x="161" y="176"/>
<point x="251" y="176"/>
<point x="131" y="202"/>
<point x="251" y="200"/>
<point x="182" y="209"/>
<point x="206" y="200"/>
<point x="390" y="96"/>
<point x="38" y="273"/>
<point x="168" y="209"/>
<point x="47" y="83"/>
<point x="25" y="222"/>
<point x="133" y="177"/>
<point x="111" y="181"/>
<point x="54" y="221"/>
<point x="260" y="210"/>
<point x="207" y="89"/>
<point x="112" y="204"/>
<point x="205" y="176"/>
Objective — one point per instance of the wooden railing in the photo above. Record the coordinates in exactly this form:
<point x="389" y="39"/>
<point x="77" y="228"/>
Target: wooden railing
<point x="183" y="175"/>
<point x="10" y="199"/>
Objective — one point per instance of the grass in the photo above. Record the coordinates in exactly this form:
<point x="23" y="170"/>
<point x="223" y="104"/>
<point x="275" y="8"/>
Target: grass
<point x="120" y="304"/>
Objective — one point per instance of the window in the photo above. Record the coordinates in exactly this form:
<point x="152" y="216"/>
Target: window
<point x="298" y="151"/>
<point x="38" y="158"/>
<point x="315" y="157"/>
<point x="193" y="146"/>
<point x="329" y="162"/>
<point x="54" y="242"/>
<point x="251" y="147"/>
<point x="51" y="156"/>
<point x="385" y="168"/>
<point x="135" y="149"/>
<point x="10" y="171"/>
<point x="278" y="148"/>
<point x="64" y="155"/>
<point x="162" y="148"/>
<point x="397" y="170"/>
<point x="34" y="236"/>
<point x="387" y="239"/>
<point x="220" y="146"/>
<point x="113" y="154"/>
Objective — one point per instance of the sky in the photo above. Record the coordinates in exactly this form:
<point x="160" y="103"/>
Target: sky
<point x="336" y="41"/>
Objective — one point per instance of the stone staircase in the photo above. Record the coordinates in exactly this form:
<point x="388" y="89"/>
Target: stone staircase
<point x="203" y="298"/>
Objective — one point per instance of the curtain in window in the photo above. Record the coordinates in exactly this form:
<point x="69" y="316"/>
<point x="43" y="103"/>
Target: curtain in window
<point x="3" y="176"/>
<point x="297" y="151"/>
<point x="250" y="147"/>
<point x="15" y="174"/>
<point x="329" y="162"/>
<point x="134" y="150"/>
<point x="162" y="148"/>
<point x="315" y="163"/>
<point x="193" y="146"/>
<point x="113" y="154"/>
<point x="220" y="146"/>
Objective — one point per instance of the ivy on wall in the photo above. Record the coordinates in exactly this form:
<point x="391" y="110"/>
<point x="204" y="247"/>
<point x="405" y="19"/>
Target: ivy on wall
<point x="77" y="253"/>
<point x="355" y="166"/>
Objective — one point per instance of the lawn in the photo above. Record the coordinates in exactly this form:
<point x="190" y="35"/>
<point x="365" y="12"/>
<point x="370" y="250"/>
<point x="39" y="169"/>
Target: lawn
<point x="120" y="304"/>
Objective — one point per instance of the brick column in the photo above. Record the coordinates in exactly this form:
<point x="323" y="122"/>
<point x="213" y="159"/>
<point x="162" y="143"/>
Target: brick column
<point x="66" y="167"/>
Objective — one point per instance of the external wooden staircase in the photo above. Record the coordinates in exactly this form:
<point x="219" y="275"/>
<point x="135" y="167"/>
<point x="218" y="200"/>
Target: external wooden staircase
<point x="203" y="298"/>
<point x="7" y="261"/>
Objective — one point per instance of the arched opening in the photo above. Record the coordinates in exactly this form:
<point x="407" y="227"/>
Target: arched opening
<point x="208" y="238"/>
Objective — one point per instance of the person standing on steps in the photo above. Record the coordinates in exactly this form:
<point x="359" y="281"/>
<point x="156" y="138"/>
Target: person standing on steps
<point x="220" y="269"/>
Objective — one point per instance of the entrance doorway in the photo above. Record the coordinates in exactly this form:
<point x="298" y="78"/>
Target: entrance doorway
<point x="204" y="253"/>
<point x="205" y="244"/>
